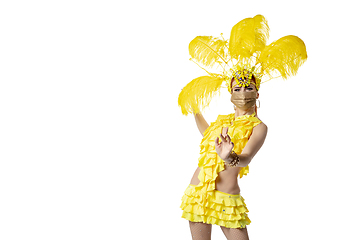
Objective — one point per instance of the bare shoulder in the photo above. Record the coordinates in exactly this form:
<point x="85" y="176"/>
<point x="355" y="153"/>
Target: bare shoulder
<point x="261" y="128"/>
<point x="262" y="125"/>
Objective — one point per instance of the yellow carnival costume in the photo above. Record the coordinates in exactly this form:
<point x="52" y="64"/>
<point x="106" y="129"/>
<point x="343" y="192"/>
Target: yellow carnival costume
<point x="202" y="203"/>
<point x="247" y="59"/>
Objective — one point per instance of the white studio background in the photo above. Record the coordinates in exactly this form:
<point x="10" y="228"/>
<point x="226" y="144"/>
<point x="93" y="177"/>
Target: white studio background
<point x="94" y="146"/>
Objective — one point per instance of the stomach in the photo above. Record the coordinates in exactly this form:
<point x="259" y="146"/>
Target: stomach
<point x="226" y="181"/>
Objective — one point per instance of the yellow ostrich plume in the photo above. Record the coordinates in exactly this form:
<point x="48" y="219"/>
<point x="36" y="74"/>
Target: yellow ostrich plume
<point x="244" y="55"/>
<point x="207" y="50"/>
<point x="248" y="36"/>
<point x="197" y="94"/>
<point x="283" y="56"/>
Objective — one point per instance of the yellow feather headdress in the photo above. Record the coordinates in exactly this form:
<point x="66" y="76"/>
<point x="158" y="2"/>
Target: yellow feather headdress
<point x="244" y="57"/>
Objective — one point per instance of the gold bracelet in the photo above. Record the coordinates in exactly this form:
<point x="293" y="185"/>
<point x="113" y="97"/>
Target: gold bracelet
<point x="235" y="159"/>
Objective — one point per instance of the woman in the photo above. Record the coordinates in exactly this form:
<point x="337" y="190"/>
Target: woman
<point x="226" y="184"/>
<point x="230" y="143"/>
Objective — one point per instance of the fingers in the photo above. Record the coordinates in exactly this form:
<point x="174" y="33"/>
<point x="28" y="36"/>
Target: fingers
<point x="222" y="138"/>
<point x="217" y="142"/>
<point x="224" y="131"/>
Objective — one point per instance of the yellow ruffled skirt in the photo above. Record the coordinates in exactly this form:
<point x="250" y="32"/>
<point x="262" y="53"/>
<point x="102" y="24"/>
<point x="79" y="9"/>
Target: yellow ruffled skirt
<point x="220" y="208"/>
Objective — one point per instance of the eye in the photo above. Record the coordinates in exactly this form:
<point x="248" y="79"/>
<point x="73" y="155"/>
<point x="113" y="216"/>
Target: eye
<point x="237" y="89"/>
<point x="249" y="88"/>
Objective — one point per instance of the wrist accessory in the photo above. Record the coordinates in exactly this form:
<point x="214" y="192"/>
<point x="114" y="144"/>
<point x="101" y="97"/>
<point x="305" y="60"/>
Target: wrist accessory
<point x="234" y="159"/>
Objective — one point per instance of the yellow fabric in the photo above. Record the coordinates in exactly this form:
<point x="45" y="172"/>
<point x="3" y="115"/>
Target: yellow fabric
<point x="202" y="203"/>
<point x="221" y="209"/>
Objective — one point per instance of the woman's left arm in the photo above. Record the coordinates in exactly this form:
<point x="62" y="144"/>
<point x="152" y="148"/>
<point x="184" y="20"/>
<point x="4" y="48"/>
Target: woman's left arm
<point x="254" y="144"/>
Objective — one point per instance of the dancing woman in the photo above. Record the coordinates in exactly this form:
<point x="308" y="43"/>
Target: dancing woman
<point x="230" y="143"/>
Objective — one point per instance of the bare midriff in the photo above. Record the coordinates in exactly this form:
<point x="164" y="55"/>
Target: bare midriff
<point x="226" y="180"/>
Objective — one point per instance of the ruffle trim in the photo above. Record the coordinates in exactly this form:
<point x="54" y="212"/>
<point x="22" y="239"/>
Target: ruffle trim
<point x="240" y="132"/>
<point x="211" y="220"/>
<point x="219" y="208"/>
<point x="202" y="203"/>
<point x="243" y="171"/>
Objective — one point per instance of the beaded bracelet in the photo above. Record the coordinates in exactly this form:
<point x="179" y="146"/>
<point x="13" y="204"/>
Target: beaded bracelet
<point x="235" y="159"/>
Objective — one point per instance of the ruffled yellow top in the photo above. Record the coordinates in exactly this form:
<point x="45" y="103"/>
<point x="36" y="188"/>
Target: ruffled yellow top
<point x="239" y="130"/>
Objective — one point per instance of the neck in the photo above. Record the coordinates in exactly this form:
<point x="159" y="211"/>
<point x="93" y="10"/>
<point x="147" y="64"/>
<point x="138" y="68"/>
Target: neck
<point x="240" y="112"/>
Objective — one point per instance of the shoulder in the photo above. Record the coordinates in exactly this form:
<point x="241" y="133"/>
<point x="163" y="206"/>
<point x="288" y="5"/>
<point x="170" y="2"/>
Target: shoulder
<point x="261" y="128"/>
<point x="261" y="125"/>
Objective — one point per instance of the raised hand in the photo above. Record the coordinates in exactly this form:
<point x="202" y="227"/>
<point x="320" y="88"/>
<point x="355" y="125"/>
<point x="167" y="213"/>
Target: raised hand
<point x="224" y="148"/>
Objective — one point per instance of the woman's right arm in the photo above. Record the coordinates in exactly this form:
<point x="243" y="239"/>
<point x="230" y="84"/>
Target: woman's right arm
<point x="201" y="123"/>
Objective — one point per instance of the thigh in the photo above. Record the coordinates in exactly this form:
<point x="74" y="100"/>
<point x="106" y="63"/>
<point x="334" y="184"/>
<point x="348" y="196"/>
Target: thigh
<point x="200" y="231"/>
<point x="235" y="233"/>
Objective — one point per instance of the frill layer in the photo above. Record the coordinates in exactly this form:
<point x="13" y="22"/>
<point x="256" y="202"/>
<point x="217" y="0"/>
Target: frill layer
<point x="239" y="129"/>
<point x="221" y="209"/>
<point x="199" y="204"/>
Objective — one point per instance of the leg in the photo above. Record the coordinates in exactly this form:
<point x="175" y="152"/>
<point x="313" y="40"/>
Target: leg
<point x="235" y="233"/>
<point x="200" y="231"/>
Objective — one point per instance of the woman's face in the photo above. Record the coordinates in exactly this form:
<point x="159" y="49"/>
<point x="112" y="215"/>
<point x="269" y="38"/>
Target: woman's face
<point x="236" y="88"/>
<point x="245" y="97"/>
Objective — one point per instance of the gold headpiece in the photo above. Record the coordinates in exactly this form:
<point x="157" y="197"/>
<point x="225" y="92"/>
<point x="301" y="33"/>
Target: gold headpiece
<point x="245" y="57"/>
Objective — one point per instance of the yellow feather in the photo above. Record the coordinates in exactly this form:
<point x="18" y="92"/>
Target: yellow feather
<point x="197" y="94"/>
<point x="207" y="50"/>
<point x="283" y="56"/>
<point x="248" y="36"/>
